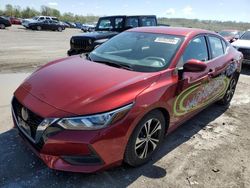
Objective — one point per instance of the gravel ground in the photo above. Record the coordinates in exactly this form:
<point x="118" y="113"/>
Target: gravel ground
<point x="23" y="49"/>
<point x="210" y="150"/>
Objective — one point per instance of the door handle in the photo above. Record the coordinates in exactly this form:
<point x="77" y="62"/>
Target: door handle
<point x="211" y="73"/>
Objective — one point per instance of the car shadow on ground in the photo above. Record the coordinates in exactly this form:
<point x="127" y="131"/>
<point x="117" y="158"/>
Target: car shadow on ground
<point x="19" y="167"/>
<point x="245" y="69"/>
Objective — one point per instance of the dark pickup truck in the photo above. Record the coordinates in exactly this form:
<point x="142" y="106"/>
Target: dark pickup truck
<point x="106" y="28"/>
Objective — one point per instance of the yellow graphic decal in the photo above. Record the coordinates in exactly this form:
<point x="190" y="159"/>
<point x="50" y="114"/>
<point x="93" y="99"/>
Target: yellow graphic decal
<point x="200" y="95"/>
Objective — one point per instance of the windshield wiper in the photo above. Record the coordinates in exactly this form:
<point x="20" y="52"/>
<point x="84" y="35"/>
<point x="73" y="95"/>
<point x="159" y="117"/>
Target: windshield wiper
<point x="118" y="65"/>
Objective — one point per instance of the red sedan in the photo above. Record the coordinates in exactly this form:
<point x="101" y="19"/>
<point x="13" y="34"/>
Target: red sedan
<point x="87" y="114"/>
<point x="15" y="21"/>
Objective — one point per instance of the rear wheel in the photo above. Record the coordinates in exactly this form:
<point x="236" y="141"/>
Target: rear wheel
<point x="230" y="91"/>
<point x="2" y="26"/>
<point x="59" y="29"/>
<point x="39" y="28"/>
<point x="146" y="139"/>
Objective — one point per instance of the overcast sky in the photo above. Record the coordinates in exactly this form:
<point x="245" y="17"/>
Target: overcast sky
<point x="225" y="10"/>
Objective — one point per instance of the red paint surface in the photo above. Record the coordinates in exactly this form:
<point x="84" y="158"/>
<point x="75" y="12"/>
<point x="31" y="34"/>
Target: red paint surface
<point x="75" y="86"/>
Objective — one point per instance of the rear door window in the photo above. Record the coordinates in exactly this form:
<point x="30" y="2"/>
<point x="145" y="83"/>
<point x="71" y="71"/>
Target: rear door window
<point x="132" y="22"/>
<point x="216" y="46"/>
<point x="147" y="21"/>
<point x="119" y="23"/>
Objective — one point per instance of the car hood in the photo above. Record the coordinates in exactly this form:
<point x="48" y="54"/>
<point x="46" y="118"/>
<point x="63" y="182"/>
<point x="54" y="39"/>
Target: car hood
<point x="78" y="86"/>
<point x="229" y="38"/>
<point x="242" y="43"/>
<point x="97" y="34"/>
<point x="28" y="20"/>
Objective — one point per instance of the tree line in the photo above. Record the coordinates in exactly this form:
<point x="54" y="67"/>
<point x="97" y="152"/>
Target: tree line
<point x="28" y="12"/>
<point x="212" y="25"/>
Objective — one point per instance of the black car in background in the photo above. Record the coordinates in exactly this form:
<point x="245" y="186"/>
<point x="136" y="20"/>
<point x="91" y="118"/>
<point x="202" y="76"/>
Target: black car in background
<point x="106" y="28"/>
<point x="4" y="22"/>
<point x="46" y="25"/>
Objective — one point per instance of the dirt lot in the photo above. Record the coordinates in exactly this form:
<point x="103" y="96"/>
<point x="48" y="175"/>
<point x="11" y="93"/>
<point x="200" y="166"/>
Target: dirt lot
<point x="210" y="150"/>
<point x="23" y="49"/>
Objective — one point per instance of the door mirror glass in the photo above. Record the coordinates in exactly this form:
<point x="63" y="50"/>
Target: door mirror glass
<point x="194" y="65"/>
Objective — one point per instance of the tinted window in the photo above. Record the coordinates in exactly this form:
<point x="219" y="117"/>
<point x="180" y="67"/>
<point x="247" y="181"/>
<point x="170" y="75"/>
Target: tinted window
<point x="132" y="22"/>
<point x="216" y="46"/>
<point x="197" y="49"/>
<point x="55" y="19"/>
<point x="148" y="22"/>
<point x="41" y="18"/>
<point x="246" y="36"/>
<point x="118" y="23"/>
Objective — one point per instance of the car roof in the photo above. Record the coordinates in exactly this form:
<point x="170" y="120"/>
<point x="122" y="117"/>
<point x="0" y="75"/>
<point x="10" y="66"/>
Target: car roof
<point x="229" y="30"/>
<point x="128" y="16"/>
<point x="182" y="31"/>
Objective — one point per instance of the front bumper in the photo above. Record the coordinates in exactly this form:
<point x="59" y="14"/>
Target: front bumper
<point x="79" y="151"/>
<point x="246" y="55"/>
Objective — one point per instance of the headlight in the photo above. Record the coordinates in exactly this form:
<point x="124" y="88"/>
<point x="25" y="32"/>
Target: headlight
<point x="94" y="122"/>
<point x="72" y="40"/>
<point x="90" y="41"/>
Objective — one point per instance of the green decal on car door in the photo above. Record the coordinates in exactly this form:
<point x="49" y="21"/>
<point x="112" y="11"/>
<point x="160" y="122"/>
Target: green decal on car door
<point x="200" y="95"/>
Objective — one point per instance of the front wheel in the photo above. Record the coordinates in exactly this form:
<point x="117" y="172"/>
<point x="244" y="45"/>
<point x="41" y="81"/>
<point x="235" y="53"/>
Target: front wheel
<point x="39" y="28"/>
<point x="146" y="139"/>
<point x="230" y="92"/>
<point x="2" y="26"/>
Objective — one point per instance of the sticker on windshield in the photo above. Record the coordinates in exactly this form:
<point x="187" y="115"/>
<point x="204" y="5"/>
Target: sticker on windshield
<point x="166" y="40"/>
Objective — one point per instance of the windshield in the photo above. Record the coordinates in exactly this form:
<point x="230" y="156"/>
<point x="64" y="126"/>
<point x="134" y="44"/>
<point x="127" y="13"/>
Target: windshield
<point x="143" y="52"/>
<point x="228" y="33"/>
<point x="105" y="24"/>
<point x="35" y="18"/>
<point x="245" y="36"/>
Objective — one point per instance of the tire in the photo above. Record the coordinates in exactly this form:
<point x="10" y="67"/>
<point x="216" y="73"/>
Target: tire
<point x="225" y="101"/>
<point x="2" y="26"/>
<point x="39" y="28"/>
<point x="144" y="142"/>
<point x="59" y="29"/>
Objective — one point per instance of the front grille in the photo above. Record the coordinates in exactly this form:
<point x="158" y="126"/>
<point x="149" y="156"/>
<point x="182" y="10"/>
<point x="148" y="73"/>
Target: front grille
<point x="80" y="44"/>
<point x="33" y="119"/>
<point x="245" y="52"/>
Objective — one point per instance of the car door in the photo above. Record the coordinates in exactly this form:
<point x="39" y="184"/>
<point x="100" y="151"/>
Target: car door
<point x="52" y="25"/>
<point x="192" y="94"/>
<point x="196" y="90"/>
<point x="44" y="24"/>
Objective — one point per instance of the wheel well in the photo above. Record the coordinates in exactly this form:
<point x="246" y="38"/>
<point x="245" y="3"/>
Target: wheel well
<point x="165" y="114"/>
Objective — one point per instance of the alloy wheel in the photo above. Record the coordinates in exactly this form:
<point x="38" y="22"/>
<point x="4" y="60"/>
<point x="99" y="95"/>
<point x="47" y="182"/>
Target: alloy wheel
<point x="148" y="138"/>
<point x="231" y="89"/>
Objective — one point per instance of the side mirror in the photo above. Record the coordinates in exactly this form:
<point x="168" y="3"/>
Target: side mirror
<point x="194" y="65"/>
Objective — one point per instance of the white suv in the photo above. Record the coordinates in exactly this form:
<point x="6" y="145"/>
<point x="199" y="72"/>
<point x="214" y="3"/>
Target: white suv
<point x="243" y="45"/>
<point x="25" y="22"/>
